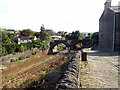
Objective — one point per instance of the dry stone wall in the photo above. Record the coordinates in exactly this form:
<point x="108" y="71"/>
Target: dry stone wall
<point x="70" y="78"/>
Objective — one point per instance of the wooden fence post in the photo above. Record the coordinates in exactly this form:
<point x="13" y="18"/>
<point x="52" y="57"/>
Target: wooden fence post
<point x="84" y="56"/>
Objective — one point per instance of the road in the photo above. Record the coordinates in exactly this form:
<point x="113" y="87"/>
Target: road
<point x="101" y="70"/>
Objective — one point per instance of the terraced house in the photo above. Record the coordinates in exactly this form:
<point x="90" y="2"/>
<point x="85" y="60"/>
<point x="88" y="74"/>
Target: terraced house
<point x="109" y="28"/>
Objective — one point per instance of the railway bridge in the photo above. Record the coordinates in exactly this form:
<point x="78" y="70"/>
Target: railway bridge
<point x="73" y="44"/>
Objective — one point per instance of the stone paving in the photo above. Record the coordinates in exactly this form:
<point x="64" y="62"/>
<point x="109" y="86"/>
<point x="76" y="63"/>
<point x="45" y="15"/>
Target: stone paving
<point x="101" y="70"/>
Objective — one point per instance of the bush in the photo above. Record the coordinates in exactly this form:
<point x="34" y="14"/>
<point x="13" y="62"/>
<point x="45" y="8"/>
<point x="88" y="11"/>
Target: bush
<point x="27" y="56"/>
<point x="21" y="58"/>
<point x="33" y="53"/>
<point x="10" y="47"/>
<point x="16" y="59"/>
<point x="29" y="45"/>
<point x="14" y="53"/>
<point x="21" y="48"/>
<point x="13" y="60"/>
<point x="44" y="45"/>
<point x="3" y="51"/>
<point x="41" y="44"/>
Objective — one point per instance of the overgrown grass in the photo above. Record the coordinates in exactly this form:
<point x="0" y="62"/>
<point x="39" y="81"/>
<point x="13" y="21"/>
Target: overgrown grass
<point x="27" y="68"/>
<point x="19" y="62"/>
<point x="42" y="72"/>
<point x="83" y="65"/>
<point x="18" y="83"/>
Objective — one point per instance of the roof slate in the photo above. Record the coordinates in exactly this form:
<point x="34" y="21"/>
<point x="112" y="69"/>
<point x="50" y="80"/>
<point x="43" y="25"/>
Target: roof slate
<point x="116" y="9"/>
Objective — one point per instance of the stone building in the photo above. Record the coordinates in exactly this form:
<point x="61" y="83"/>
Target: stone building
<point x="109" y="28"/>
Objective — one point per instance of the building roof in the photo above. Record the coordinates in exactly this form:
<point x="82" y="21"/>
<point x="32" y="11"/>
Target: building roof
<point x="24" y="37"/>
<point x="56" y="36"/>
<point x="115" y="9"/>
<point x="10" y="30"/>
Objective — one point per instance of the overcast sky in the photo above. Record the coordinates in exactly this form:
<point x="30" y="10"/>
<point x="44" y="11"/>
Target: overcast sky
<point x="59" y="15"/>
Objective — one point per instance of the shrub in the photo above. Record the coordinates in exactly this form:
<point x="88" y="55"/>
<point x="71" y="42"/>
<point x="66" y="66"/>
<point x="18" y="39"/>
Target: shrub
<point x="16" y="59"/>
<point x="10" y="47"/>
<point x="33" y="53"/>
<point x="21" y="48"/>
<point x="3" y="51"/>
<point x="21" y="58"/>
<point x="13" y="60"/>
<point x="29" y="45"/>
<point x="14" y="53"/>
<point x="27" y="56"/>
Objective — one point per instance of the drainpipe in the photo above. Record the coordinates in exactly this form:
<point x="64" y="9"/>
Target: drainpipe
<point x="114" y="32"/>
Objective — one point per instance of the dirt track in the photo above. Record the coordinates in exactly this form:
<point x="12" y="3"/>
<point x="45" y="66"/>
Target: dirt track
<point x="101" y="70"/>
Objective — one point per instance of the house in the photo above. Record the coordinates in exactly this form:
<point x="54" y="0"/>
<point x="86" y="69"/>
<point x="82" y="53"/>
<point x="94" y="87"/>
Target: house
<point x="56" y="37"/>
<point x="109" y="28"/>
<point x="11" y="31"/>
<point x="25" y="39"/>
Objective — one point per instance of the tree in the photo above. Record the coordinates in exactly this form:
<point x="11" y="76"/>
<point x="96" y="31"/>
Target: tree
<point x="12" y="37"/>
<point x="29" y="45"/>
<point x="35" y="43"/>
<point x="95" y="38"/>
<point x="42" y="28"/>
<point x="3" y="51"/>
<point x="6" y="40"/>
<point x="43" y="34"/>
<point x="37" y="34"/>
<point x="67" y="37"/>
<point x="74" y="35"/>
<point x="82" y="36"/>
<point x="89" y="34"/>
<point x="44" y="45"/>
<point x="4" y="37"/>
<point x="10" y="47"/>
<point x="49" y="32"/>
<point x="27" y="32"/>
<point x="21" y="48"/>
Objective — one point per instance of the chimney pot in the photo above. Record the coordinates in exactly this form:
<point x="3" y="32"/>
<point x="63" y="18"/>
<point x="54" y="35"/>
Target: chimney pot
<point x="119" y="3"/>
<point x="108" y="0"/>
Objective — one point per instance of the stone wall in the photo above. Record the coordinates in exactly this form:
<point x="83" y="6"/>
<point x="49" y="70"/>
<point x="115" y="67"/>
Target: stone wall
<point x="117" y="34"/>
<point x="106" y="30"/>
<point x="70" y="78"/>
<point x="7" y="58"/>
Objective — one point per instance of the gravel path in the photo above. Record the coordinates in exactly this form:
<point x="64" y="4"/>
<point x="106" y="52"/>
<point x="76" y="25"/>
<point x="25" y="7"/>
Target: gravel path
<point x="101" y="70"/>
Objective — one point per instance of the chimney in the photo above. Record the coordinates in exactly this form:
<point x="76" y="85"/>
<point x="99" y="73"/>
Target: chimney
<point x="107" y="4"/>
<point x="119" y="4"/>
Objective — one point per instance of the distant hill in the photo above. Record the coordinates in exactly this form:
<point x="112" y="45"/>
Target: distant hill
<point x="87" y="32"/>
<point x="2" y="29"/>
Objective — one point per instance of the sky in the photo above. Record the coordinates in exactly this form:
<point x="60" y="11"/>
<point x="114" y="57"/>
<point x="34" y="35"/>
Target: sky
<point x="58" y="15"/>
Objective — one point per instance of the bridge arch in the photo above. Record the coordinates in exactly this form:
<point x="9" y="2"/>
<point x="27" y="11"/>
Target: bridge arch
<point x="73" y="44"/>
<point x="55" y="43"/>
<point x="59" y="46"/>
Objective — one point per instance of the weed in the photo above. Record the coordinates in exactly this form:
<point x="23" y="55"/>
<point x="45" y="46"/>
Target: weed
<point x="81" y="65"/>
